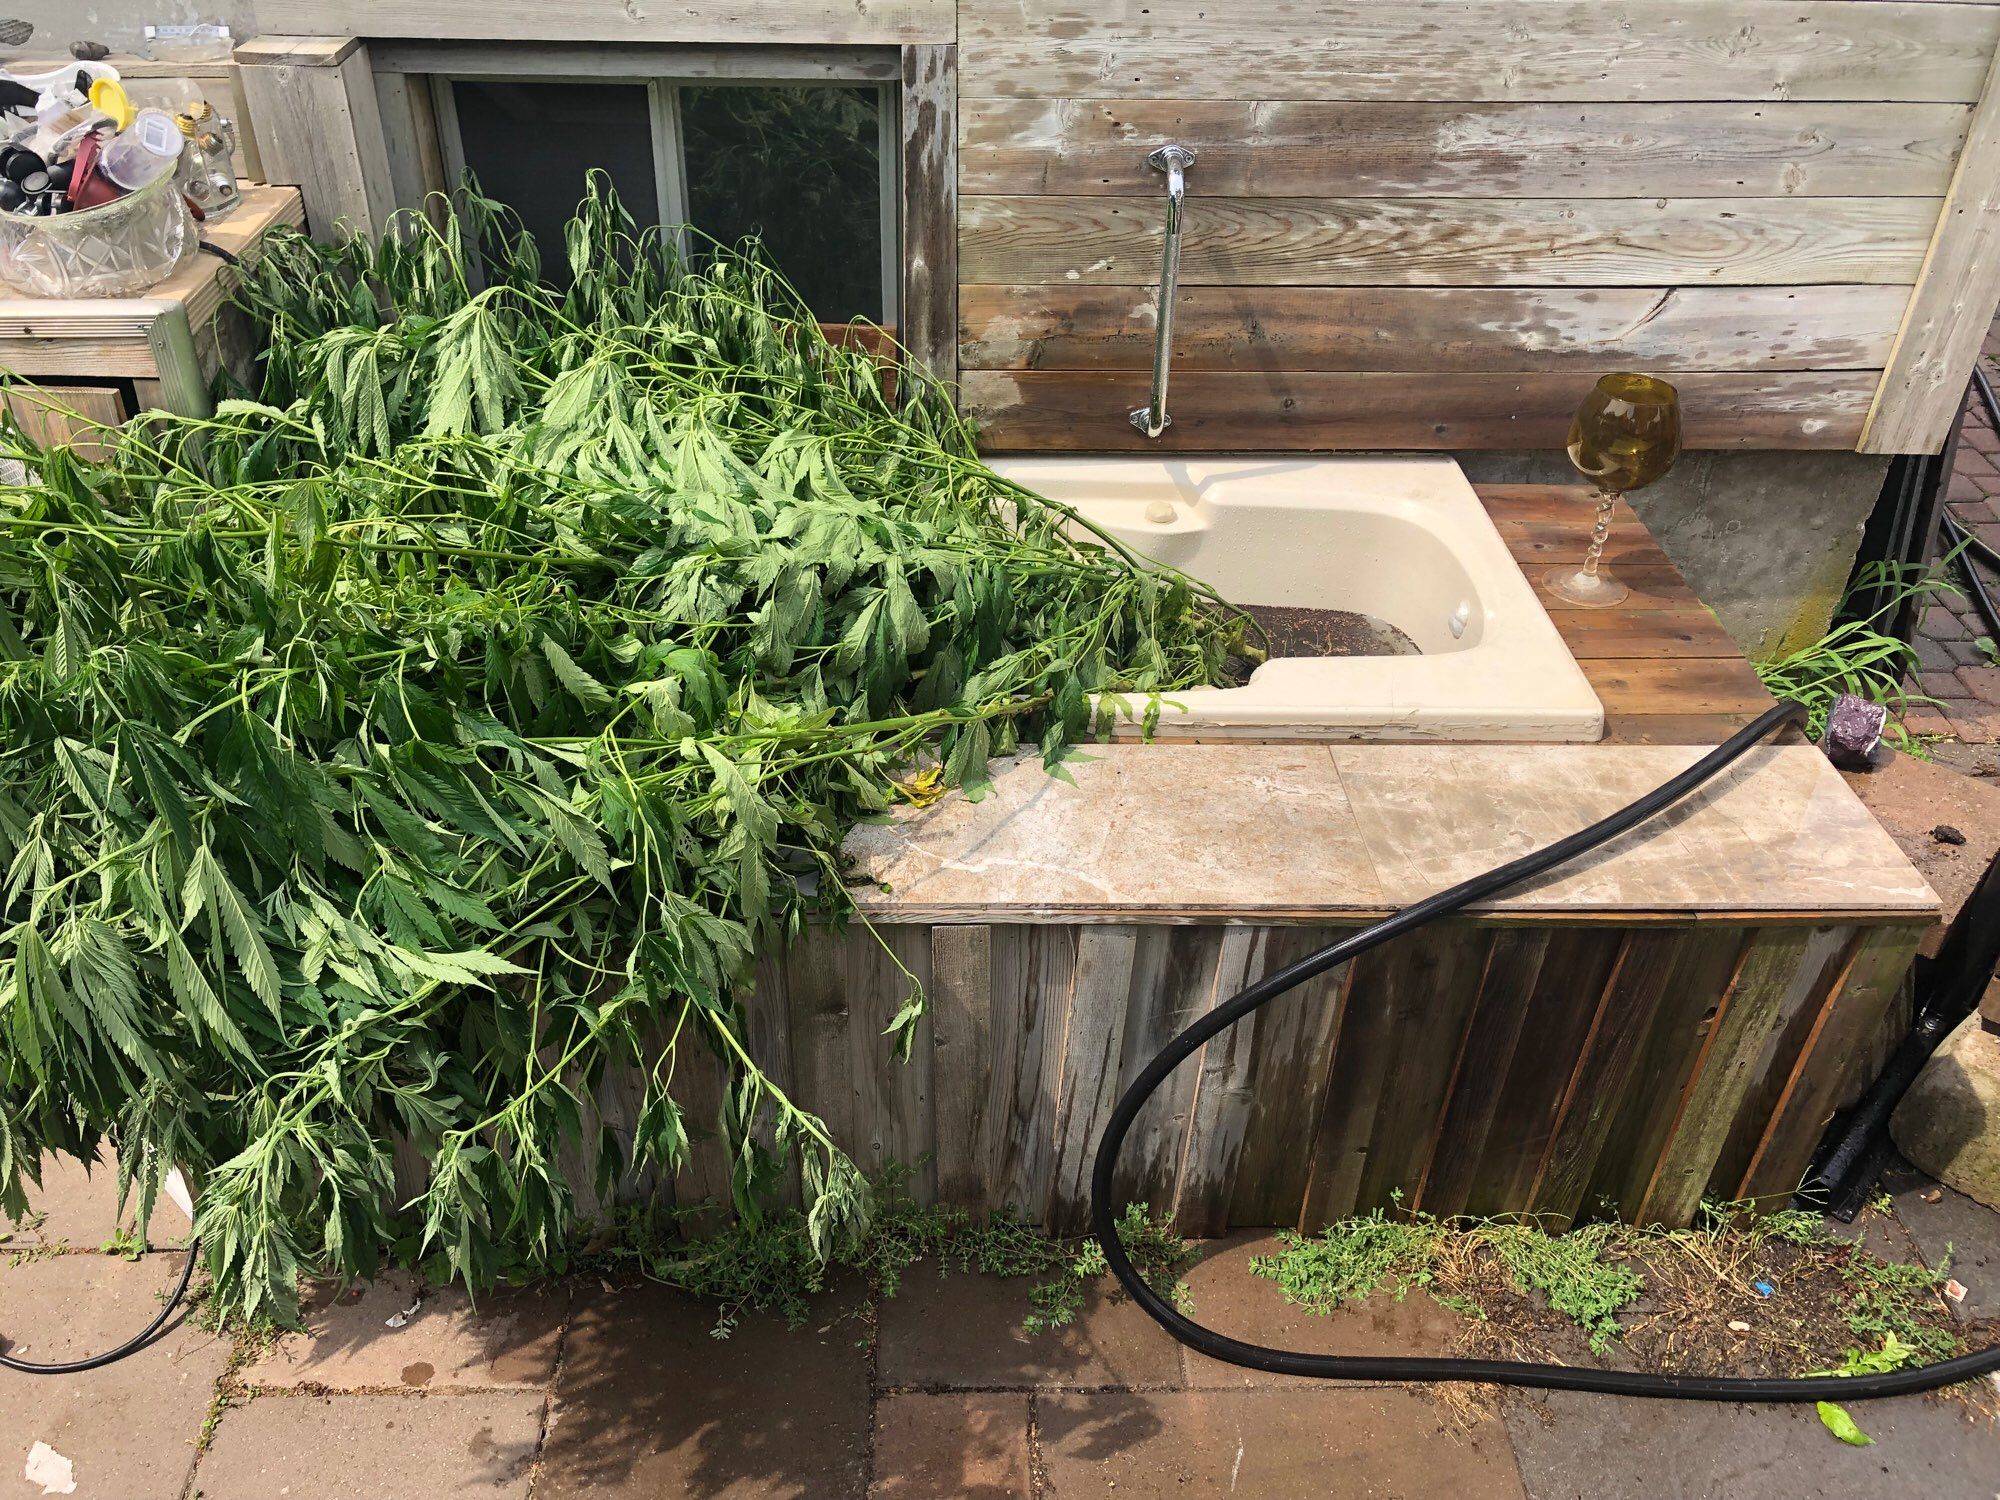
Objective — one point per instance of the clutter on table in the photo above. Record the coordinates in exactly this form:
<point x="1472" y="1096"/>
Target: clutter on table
<point x="113" y="190"/>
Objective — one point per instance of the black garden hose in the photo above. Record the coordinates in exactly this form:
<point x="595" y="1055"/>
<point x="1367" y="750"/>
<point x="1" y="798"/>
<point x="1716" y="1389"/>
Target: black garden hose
<point x="1494" y="1371"/>
<point x="132" y="1345"/>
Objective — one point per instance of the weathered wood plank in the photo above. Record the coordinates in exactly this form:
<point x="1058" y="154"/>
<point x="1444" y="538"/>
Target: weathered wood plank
<point x="1283" y="148"/>
<point x="1293" y="1050"/>
<point x="1645" y="633"/>
<point x="816" y="999"/>
<point x="1383" y="1012"/>
<point x="792" y="21"/>
<point x="1223" y="1092"/>
<point x="1084" y="411"/>
<point x="1034" y="969"/>
<point x="1029" y="327"/>
<point x="1093" y="1042"/>
<point x="1702" y="970"/>
<point x="696" y="1086"/>
<point x="1699" y="685"/>
<point x="1115" y="241"/>
<point x="1173" y="983"/>
<point x="1433" y="987"/>
<point x="1847" y="1024"/>
<point x="1760" y="999"/>
<point x="1479" y="1075"/>
<point x="962" y="1064"/>
<point x="80" y="417"/>
<point x="928" y="316"/>
<point x="894" y="1126"/>
<point x="1953" y="301"/>
<point x="1467" y="49"/>
<point x="1822" y="968"/>
<point x="1566" y="994"/>
<point x="319" y="128"/>
<point x="1599" y="1084"/>
<point x="1558" y="540"/>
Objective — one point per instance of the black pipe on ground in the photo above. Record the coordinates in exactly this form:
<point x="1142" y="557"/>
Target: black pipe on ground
<point x="1496" y="1371"/>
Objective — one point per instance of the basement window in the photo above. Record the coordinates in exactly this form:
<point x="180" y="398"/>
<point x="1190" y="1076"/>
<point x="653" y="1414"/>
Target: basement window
<point x="808" y="167"/>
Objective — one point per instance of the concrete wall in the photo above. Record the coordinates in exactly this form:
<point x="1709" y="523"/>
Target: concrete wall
<point x="117" y="23"/>
<point x="1766" y="539"/>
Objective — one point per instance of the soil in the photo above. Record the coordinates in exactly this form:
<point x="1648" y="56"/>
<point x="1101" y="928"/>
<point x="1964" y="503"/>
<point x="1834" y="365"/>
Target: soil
<point x="1293" y="631"/>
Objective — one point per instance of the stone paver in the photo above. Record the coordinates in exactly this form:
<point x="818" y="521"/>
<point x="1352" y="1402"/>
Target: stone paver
<point x="964" y="1332"/>
<point x="1951" y="1231"/>
<point x="508" y="1341"/>
<point x="1338" y="1443"/>
<point x="1955" y="671"/>
<point x="973" y="1446"/>
<point x="1231" y="1299"/>
<point x="479" y="1445"/>
<point x="130" y="1429"/>
<point x="1579" y="1447"/>
<point x="650" y="1403"/>
<point x="77" y="1207"/>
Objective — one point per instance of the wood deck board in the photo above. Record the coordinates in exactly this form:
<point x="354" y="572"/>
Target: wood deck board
<point x="1666" y="671"/>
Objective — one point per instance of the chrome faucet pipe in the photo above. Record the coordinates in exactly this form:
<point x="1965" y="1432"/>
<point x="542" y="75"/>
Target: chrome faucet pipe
<point x="1152" y="418"/>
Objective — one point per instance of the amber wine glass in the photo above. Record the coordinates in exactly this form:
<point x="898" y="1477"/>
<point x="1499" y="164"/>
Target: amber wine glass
<point x="1626" y="434"/>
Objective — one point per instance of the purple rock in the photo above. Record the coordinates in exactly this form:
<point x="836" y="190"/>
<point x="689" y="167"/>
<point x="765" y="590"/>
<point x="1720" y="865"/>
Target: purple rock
<point x="1854" y="733"/>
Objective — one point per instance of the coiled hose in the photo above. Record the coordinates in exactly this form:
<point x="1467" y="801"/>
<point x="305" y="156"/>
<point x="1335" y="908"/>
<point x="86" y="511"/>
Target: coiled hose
<point x="132" y="1345"/>
<point x="1494" y="1371"/>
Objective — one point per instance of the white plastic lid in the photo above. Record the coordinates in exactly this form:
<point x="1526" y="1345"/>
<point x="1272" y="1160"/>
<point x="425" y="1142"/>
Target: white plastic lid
<point x="156" y="131"/>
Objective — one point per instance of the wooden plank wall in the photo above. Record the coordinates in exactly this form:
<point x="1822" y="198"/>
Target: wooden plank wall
<point x="1571" y="1069"/>
<point x="1426" y="225"/>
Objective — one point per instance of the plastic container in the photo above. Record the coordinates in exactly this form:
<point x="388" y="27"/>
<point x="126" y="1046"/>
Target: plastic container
<point x="150" y="150"/>
<point x="118" y="250"/>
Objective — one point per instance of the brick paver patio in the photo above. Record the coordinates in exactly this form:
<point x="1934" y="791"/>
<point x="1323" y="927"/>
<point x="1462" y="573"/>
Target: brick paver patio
<point x="1953" y="667"/>
<point x="583" y="1387"/>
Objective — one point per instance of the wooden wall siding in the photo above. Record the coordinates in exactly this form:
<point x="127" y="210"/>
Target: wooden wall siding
<point x="1474" y="49"/>
<point x="1568" y="1068"/>
<point x="824" y="21"/>
<point x="1241" y="410"/>
<point x="1471" y="191"/>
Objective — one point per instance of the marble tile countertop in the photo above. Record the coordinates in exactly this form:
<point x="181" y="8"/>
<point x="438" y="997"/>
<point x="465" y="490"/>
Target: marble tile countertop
<point x="1192" y="832"/>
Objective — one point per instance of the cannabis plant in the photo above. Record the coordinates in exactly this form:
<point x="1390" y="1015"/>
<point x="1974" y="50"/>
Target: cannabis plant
<point x="390" y="755"/>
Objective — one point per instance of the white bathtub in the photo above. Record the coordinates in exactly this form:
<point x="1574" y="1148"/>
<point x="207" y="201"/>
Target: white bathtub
<point x="1403" y="539"/>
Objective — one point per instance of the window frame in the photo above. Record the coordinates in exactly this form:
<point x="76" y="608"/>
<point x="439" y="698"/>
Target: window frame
<point x="663" y="74"/>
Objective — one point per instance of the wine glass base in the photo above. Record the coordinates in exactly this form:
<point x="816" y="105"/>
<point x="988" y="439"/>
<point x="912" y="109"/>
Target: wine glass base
<point x="1589" y="590"/>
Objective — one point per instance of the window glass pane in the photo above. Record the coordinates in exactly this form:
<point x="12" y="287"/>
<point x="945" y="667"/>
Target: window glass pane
<point x="531" y="143"/>
<point x="799" y="167"/>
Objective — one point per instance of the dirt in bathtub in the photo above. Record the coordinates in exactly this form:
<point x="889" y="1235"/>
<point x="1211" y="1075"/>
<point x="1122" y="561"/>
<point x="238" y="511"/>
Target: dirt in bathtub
<point x="1321" y="632"/>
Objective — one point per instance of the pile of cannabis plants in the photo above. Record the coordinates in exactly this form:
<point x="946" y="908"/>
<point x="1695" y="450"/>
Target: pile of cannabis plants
<point x="387" y="757"/>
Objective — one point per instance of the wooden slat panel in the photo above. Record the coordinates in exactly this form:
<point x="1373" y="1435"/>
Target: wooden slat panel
<point x="1385" y="1013"/>
<point x="67" y="415"/>
<point x="1644" y="633"/>
<point x="767" y="1014"/>
<point x="1223" y="1093"/>
<point x="1467" y="49"/>
<point x="1093" y="1041"/>
<point x="1761" y="998"/>
<point x="1822" y="968"/>
<point x="877" y="21"/>
<point x="1953" y="302"/>
<point x="962" y="1064"/>
<point x="929" y="313"/>
<point x="1851" y="1027"/>
<point x="1293" y="1052"/>
<point x="1702" y="970"/>
<point x="697" y="1085"/>
<point x="1173" y="983"/>
<point x="1084" y="411"/>
<point x="1603" y="1075"/>
<point x="1442" y="328"/>
<point x="822" y="1055"/>
<point x="1557" y="540"/>
<point x="1485" y="1055"/>
<point x="1033" y="971"/>
<point x="1567" y="991"/>
<point x="893" y="1122"/>
<point x="1449" y="241"/>
<point x="1305" y="148"/>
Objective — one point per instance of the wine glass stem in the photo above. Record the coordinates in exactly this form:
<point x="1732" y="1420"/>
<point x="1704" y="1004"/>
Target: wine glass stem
<point x="1605" y="500"/>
